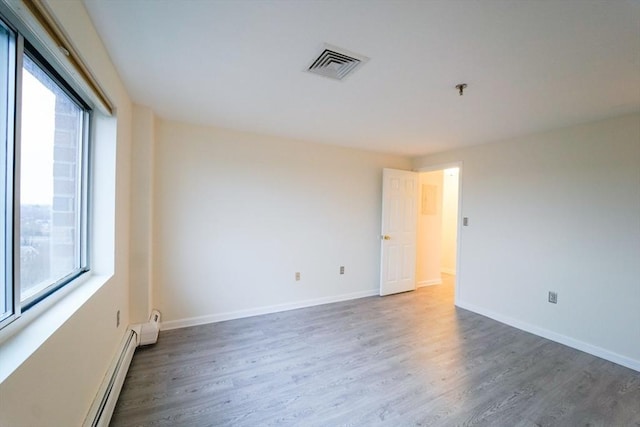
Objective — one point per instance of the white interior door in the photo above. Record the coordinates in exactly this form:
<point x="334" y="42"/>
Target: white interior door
<point x="399" y="230"/>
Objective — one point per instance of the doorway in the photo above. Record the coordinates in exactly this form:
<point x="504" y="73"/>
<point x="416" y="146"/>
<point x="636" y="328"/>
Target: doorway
<point x="437" y="230"/>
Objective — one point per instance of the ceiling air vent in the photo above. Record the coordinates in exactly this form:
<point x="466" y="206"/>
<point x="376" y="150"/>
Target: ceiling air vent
<point x="336" y="63"/>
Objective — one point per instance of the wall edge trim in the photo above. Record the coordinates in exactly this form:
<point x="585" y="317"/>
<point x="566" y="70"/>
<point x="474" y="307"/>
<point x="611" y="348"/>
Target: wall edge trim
<point x="554" y="336"/>
<point x="239" y="314"/>
<point x="432" y="282"/>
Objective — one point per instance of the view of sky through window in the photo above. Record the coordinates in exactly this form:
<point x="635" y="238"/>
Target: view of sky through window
<point x="38" y="132"/>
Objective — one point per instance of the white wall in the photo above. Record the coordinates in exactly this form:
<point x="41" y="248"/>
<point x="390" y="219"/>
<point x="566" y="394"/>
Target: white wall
<point x="57" y="383"/>
<point x="429" y="239"/>
<point x="237" y="214"/>
<point x="449" y="220"/>
<point x="556" y="211"/>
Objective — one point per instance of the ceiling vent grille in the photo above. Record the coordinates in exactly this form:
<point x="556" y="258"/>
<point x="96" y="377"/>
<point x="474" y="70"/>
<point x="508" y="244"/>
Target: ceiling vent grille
<point x="336" y="63"/>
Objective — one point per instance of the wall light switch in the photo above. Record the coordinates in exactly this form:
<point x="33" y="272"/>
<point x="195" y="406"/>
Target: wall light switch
<point x="465" y="221"/>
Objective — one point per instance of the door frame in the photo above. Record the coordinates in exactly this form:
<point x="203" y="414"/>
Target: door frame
<point x="442" y="166"/>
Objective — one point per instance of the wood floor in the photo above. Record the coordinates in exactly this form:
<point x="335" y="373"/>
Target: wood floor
<point x="408" y="359"/>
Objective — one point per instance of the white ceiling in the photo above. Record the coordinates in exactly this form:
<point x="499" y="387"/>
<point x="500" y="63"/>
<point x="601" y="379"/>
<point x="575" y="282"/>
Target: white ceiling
<point x="530" y="66"/>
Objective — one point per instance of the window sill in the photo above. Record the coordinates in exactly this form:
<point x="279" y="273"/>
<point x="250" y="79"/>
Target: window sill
<point x="20" y="339"/>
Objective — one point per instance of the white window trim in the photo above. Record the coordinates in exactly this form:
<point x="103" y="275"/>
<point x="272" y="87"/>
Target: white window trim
<point x="24" y="336"/>
<point x="20" y="339"/>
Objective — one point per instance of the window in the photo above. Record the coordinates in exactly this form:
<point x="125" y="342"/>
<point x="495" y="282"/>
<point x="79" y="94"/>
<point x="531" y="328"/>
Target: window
<point x="7" y="46"/>
<point x="44" y="163"/>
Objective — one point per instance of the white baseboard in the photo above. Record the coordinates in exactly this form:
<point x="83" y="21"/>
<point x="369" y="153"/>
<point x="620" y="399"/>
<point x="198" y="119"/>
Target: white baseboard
<point x="104" y="403"/>
<point x="451" y="271"/>
<point x="554" y="336"/>
<point x="220" y="317"/>
<point x="431" y="282"/>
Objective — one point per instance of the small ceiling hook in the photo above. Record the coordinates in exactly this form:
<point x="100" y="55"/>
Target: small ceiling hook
<point x="461" y="87"/>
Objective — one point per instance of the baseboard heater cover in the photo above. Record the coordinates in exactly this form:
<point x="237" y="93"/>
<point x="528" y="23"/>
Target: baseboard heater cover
<point x="105" y="402"/>
<point x="149" y="331"/>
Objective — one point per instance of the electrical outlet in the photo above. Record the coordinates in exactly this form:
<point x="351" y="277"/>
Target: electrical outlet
<point x="117" y="318"/>
<point x="553" y="297"/>
<point x="342" y="269"/>
<point x="297" y="276"/>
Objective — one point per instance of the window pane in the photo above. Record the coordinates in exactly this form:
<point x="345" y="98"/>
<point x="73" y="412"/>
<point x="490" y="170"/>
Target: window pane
<point x="51" y="142"/>
<point x="6" y="53"/>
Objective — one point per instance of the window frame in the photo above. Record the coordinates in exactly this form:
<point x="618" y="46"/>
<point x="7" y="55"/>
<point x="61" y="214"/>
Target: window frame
<point x="21" y="47"/>
<point x="12" y="298"/>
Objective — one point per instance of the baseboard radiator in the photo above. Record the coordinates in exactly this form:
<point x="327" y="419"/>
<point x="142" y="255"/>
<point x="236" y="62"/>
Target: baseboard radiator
<point x="105" y="402"/>
<point x="101" y="410"/>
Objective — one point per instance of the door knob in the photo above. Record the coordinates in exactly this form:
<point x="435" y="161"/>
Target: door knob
<point x="386" y="237"/>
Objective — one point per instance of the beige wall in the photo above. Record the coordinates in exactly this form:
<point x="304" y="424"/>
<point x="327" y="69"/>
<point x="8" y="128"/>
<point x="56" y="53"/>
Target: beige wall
<point x="556" y="211"/>
<point x="56" y="385"/>
<point x="237" y="214"/>
<point x="449" y="220"/>
<point x="143" y="158"/>
<point x="429" y="239"/>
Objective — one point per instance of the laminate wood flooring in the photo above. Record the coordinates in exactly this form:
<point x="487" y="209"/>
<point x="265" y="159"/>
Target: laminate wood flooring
<point x="402" y="360"/>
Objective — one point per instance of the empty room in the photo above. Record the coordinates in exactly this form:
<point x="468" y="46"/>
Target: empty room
<point x="320" y="213"/>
